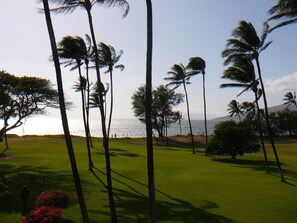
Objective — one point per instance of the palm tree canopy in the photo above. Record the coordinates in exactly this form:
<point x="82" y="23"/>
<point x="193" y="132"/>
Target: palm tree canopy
<point x="249" y="108"/>
<point x="81" y="84"/>
<point x="178" y="76"/>
<point x="285" y="10"/>
<point x="108" y="57"/>
<point x="242" y="72"/>
<point x="234" y="108"/>
<point x="197" y="64"/>
<point x="246" y="42"/>
<point x="290" y="98"/>
<point x="72" y="49"/>
<point x="68" y="6"/>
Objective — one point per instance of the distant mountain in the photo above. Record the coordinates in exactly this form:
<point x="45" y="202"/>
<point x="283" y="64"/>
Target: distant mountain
<point x="281" y="107"/>
<point x="276" y="108"/>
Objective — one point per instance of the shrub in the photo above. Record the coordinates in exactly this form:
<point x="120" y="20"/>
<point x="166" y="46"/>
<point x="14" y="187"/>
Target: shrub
<point x="232" y="139"/>
<point x="44" y="214"/>
<point x="56" y="198"/>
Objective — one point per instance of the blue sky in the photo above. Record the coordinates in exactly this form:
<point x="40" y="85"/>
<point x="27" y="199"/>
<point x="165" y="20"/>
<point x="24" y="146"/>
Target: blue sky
<point x="182" y="29"/>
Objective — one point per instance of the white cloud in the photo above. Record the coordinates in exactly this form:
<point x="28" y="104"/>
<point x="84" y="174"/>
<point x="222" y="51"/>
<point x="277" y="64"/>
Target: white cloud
<point x="285" y="83"/>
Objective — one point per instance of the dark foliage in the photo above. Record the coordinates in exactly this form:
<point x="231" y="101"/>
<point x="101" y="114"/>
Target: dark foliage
<point x="232" y="139"/>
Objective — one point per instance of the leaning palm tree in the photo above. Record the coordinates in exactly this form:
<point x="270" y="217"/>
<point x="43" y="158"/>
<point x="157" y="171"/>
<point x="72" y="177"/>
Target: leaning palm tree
<point x="67" y="136"/>
<point x="180" y="76"/>
<point x="234" y="108"/>
<point x="242" y="74"/>
<point x="285" y="11"/>
<point x="68" y="6"/>
<point x="72" y="51"/>
<point x="247" y="43"/>
<point x="197" y="65"/>
<point x="148" y="115"/>
<point x="108" y="57"/>
<point x="290" y="98"/>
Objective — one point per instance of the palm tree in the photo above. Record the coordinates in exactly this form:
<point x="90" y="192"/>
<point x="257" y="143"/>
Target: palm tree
<point x="87" y="56"/>
<point x="94" y="97"/>
<point x="180" y="76"/>
<point x="73" y="51"/>
<point x="66" y="6"/>
<point x="67" y="136"/>
<point x="197" y="64"/>
<point x="148" y="115"/>
<point x="108" y="57"/>
<point x="246" y="42"/>
<point x="249" y="108"/>
<point x="290" y="98"/>
<point x="242" y="73"/>
<point x="234" y="108"/>
<point x="285" y="10"/>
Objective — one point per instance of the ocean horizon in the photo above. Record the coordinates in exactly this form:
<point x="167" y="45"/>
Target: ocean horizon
<point x="119" y="128"/>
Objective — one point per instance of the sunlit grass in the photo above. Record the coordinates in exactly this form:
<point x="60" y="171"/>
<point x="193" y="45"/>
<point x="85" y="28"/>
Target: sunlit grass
<point x="189" y="188"/>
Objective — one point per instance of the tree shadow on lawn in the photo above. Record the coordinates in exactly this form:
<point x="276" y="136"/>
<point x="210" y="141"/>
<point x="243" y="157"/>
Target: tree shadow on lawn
<point x="114" y="152"/>
<point x="258" y="165"/>
<point x="132" y="206"/>
<point x="37" y="179"/>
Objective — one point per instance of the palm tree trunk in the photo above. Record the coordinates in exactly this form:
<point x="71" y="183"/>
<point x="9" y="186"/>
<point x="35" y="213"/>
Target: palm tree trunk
<point x="148" y="115"/>
<point x="111" y="103"/>
<point x="268" y="124"/>
<point x="88" y="105"/>
<point x="68" y="141"/>
<point x="205" y="120"/>
<point x="83" y="106"/>
<point x="261" y="134"/>
<point x="105" y="137"/>
<point x="190" y="124"/>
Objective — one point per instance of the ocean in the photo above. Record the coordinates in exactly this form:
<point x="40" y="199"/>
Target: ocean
<point x="43" y="125"/>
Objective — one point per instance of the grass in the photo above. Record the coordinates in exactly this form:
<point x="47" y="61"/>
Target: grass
<point x="189" y="188"/>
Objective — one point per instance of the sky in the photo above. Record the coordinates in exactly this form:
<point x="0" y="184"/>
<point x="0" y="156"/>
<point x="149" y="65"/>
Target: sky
<point x="182" y="29"/>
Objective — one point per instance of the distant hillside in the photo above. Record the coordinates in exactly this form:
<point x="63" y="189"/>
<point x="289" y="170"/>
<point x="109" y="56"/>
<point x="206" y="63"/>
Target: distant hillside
<point x="270" y="110"/>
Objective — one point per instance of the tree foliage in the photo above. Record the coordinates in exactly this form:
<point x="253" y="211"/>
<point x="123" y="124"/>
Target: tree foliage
<point x="163" y="102"/>
<point x="22" y="97"/>
<point x="285" y="11"/>
<point x="232" y="139"/>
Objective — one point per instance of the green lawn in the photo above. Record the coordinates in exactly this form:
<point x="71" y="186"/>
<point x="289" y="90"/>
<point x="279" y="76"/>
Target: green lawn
<point x="189" y="188"/>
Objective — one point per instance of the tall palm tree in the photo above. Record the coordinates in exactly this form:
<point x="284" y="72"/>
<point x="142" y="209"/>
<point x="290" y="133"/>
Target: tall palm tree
<point x="108" y="57"/>
<point x="242" y="73"/>
<point x="86" y="59"/>
<point x="67" y="6"/>
<point x="246" y="42"/>
<point x="68" y="140"/>
<point x="290" y="98"/>
<point x="73" y="50"/>
<point x="180" y="76"/>
<point x="284" y="10"/>
<point x="148" y="114"/>
<point x="234" y="108"/>
<point x="197" y="64"/>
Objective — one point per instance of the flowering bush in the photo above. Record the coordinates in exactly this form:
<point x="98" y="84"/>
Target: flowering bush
<point x="44" y="214"/>
<point x="56" y="198"/>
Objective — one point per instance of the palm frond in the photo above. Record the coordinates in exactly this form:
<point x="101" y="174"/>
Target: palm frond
<point x="123" y="4"/>
<point x="265" y="46"/>
<point x="288" y="22"/>
<point x="235" y="85"/>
